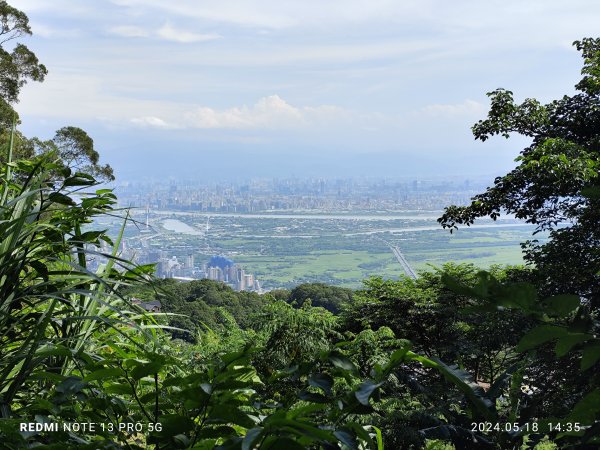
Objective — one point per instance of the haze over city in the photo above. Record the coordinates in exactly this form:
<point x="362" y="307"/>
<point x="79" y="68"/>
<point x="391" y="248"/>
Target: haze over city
<point x="223" y="90"/>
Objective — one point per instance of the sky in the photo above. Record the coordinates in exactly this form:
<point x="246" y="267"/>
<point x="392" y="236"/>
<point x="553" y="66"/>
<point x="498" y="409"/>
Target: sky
<point x="237" y="89"/>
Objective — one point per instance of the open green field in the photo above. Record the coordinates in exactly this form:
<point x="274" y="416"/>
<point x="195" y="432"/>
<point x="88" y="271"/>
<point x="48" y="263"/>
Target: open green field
<point x="286" y="251"/>
<point x="348" y="266"/>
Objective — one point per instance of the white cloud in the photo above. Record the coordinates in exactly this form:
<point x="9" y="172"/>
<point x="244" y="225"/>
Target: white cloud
<point x="152" y="122"/>
<point x="270" y="112"/>
<point x="170" y="33"/>
<point x="128" y="31"/>
<point x="66" y="95"/>
<point x="167" y="32"/>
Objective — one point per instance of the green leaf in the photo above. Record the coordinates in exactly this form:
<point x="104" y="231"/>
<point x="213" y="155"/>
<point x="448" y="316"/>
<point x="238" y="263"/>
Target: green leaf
<point x="312" y="397"/>
<point x="144" y="369"/>
<point x="540" y="335"/>
<point x="322" y="381"/>
<point x="305" y="410"/>
<point x="84" y="175"/>
<point x="379" y="436"/>
<point x="591" y="355"/>
<point x="587" y="409"/>
<point x="517" y="295"/>
<point x="181" y="440"/>
<point x="562" y="305"/>
<point x="365" y="390"/>
<point x="566" y="343"/>
<point x="459" y="288"/>
<point x="222" y="413"/>
<point x="299" y="427"/>
<point x="40" y="268"/>
<point x="174" y="424"/>
<point x="89" y="236"/>
<point x="463" y="381"/>
<point x="216" y="432"/>
<point x="43" y="375"/>
<point x="78" y="180"/>
<point x="71" y="385"/>
<point x="251" y="437"/>
<point x="501" y="381"/>
<point x="61" y="199"/>
<point x="397" y="358"/>
<point x="342" y="362"/>
<point x="53" y="350"/>
<point x="229" y="358"/>
<point x="346" y="438"/>
<point x="103" y="374"/>
<point x="118" y="388"/>
<point x="361" y="433"/>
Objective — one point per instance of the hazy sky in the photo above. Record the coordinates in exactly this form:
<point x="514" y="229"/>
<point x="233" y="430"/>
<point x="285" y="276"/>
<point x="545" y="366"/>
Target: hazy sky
<point x="243" y="88"/>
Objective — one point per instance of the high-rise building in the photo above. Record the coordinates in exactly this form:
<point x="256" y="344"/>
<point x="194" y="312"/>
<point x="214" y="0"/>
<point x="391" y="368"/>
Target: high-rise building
<point x="248" y="281"/>
<point x="232" y="273"/>
<point x="215" y="273"/>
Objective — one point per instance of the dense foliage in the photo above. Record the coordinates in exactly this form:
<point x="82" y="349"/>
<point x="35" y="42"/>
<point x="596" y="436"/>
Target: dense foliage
<point x="332" y="298"/>
<point x="555" y="183"/>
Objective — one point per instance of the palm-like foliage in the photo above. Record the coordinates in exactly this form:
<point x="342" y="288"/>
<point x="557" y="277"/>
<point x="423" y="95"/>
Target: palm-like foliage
<point x="50" y="303"/>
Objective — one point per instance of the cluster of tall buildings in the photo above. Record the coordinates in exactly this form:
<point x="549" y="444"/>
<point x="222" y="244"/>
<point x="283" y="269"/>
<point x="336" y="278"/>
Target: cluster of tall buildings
<point x="223" y="269"/>
<point x="218" y="268"/>
<point x="174" y="268"/>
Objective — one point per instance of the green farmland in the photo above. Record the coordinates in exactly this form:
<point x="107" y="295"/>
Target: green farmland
<point x="286" y="251"/>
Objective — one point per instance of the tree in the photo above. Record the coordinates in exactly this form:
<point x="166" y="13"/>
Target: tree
<point x="17" y="66"/>
<point x="437" y="322"/>
<point x="332" y="298"/>
<point x="76" y="151"/>
<point x="555" y="185"/>
<point x="72" y="144"/>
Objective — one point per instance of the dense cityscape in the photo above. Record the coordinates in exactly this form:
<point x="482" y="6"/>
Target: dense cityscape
<point x="269" y="234"/>
<point x="313" y="194"/>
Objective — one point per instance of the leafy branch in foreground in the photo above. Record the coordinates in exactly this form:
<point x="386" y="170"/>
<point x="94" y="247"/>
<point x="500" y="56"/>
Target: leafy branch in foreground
<point x="554" y="185"/>
<point x="50" y="303"/>
<point x="570" y="324"/>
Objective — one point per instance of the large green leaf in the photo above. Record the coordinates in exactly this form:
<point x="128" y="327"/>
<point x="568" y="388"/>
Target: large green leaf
<point x="342" y="362"/>
<point x="71" y="385"/>
<point x="566" y="343"/>
<point x="540" y="335"/>
<point x="591" y="355"/>
<point x="587" y="410"/>
<point x="312" y="397"/>
<point x="142" y="370"/>
<point x="347" y="438"/>
<point x="463" y="381"/>
<point x="365" y="390"/>
<point x="252" y="436"/>
<point x="104" y="374"/>
<point x="561" y="305"/>
<point x="224" y="413"/>
<point x="322" y="381"/>
<point x="174" y="424"/>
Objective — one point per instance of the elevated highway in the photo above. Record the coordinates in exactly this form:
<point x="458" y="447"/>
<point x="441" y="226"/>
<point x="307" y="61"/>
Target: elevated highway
<point x="408" y="270"/>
